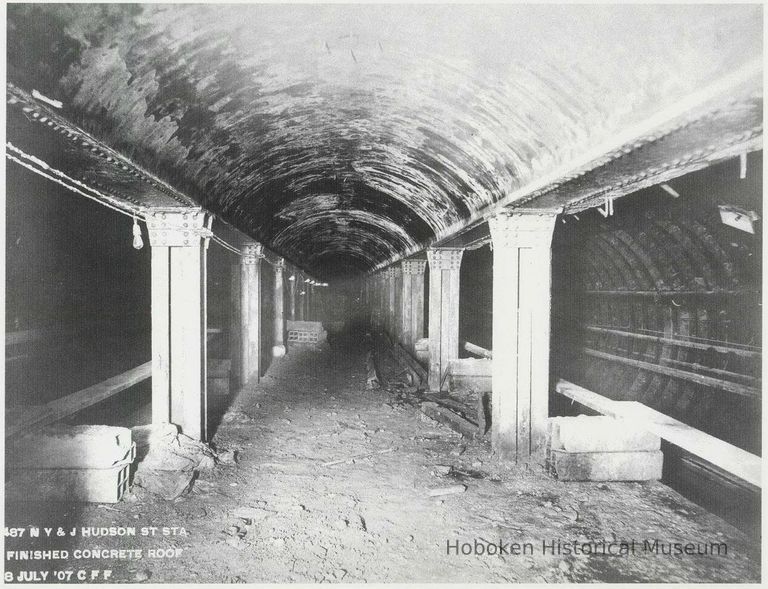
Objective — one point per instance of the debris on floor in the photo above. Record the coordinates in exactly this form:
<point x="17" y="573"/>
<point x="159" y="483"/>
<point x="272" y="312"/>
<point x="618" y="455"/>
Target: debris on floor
<point x="342" y="494"/>
<point x="168" y="461"/>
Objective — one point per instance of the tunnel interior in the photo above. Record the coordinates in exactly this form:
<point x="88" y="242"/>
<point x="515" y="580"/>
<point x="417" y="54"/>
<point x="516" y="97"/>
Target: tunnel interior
<point x="620" y="276"/>
<point x="363" y="170"/>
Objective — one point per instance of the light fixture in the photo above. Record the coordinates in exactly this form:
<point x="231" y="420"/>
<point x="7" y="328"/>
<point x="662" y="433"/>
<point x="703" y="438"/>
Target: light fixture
<point x="138" y="242"/>
<point x="671" y="191"/>
<point x="738" y="218"/>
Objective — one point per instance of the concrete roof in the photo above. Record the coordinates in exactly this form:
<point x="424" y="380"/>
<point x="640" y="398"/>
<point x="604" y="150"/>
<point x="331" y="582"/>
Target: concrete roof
<point x="344" y="137"/>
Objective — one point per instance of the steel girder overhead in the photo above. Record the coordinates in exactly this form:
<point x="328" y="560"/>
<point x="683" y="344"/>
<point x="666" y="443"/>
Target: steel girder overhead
<point x="347" y="137"/>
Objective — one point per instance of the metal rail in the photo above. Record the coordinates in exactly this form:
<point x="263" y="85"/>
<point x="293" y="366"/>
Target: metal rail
<point x="708" y="381"/>
<point x="673" y="293"/>
<point x="683" y="343"/>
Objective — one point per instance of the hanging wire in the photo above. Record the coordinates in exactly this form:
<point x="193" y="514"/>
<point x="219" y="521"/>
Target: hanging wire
<point x="101" y="199"/>
<point x="138" y="242"/>
<point x="226" y="245"/>
<point x="74" y="185"/>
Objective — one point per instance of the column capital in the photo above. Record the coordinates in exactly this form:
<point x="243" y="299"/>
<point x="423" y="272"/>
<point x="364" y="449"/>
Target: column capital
<point x="279" y="265"/>
<point x="445" y="259"/>
<point x="522" y="229"/>
<point x="252" y="253"/>
<point x="178" y="227"/>
<point x="414" y="266"/>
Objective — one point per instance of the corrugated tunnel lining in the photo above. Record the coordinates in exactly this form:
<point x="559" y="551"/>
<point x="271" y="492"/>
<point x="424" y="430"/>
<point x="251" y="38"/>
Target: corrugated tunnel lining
<point x="344" y="136"/>
<point x="669" y="270"/>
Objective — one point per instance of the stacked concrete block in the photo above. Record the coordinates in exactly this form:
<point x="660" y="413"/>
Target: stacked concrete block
<point x="305" y="332"/>
<point x="586" y="448"/>
<point x="71" y="463"/>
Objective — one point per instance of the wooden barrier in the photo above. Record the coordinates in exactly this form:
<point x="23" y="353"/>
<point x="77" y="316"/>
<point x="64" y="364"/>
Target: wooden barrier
<point x="728" y="457"/>
<point x="71" y="404"/>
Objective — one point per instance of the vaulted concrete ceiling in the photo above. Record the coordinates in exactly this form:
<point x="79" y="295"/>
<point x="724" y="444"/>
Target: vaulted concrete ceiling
<point x="345" y="136"/>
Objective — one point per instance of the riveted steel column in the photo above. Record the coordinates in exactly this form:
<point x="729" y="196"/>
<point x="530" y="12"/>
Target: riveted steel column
<point x="444" y="267"/>
<point x="250" y="312"/>
<point x="179" y="240"/>
<point x="522" y="262"/>
<point x="278" y="349"/>
<point x="292" y="295"/>
<point x="412" y="316"/>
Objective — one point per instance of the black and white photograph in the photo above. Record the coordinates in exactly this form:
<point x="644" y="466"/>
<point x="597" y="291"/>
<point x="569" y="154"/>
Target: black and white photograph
<point x="303" y="293"/>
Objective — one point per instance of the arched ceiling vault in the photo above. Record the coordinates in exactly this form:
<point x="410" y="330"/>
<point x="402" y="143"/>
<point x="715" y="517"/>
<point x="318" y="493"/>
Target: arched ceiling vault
<point x="344" y="137"/>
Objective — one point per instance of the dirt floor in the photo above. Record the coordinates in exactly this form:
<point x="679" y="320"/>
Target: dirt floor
<point x="299" y="507"/>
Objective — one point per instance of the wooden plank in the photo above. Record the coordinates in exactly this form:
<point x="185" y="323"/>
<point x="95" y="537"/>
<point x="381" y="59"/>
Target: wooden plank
<point x="728" y="457"/>
<point x="477" y="350"/>
<point x="585" y="397"/>
<point x="402" y="354"/>
<point x="708" y="381"/>
<point x="71" y="404"/>
<point x="28" y="335"/>
<point x="471" y="367"/>
<point x="447" y="417"/>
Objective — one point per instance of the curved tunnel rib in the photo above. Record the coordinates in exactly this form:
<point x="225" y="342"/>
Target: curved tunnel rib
<point x="421" y="115"/>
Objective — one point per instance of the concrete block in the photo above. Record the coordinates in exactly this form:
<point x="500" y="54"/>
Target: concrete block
<point x="606" y="466"/>
<point x="470" y="374"/>
<point x="105" y="485"/>
<point x="600" y="434"/>
<point x="70" y="446"/>
<point x="421" y="349"/>
<point x="313" y="326"/>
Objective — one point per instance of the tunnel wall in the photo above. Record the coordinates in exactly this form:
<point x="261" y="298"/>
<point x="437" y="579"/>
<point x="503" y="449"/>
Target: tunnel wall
<point x="655" y="242"/>
<point x="72" y="273"/>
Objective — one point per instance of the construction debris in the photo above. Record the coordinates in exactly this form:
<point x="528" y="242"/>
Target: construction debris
<point x="169" y="461"/>
<point x="357" y="457"/>
<point x="372" y="379"/>
<point x="447" y="417"/>
<point x="452" y="490"/>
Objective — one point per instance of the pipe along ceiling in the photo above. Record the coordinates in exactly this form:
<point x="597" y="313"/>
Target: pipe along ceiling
<point x="343" y="137"/>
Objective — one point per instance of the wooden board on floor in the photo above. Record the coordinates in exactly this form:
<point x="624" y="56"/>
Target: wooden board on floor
<point x="726" y="456"/>
<point x="447" y="417"/>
